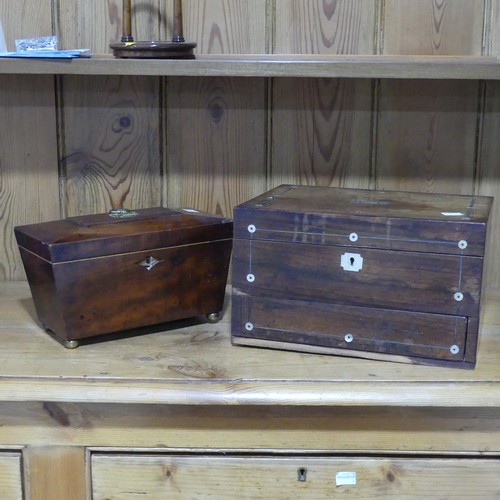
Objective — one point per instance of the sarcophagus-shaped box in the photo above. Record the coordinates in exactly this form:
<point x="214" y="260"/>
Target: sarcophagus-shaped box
<point x="98" y="274"/>
<point x="383" y="275"/>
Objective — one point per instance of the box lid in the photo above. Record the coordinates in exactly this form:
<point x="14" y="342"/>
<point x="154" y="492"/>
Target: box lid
<point x="120" y="231"/>
<point x="425" y="222"/>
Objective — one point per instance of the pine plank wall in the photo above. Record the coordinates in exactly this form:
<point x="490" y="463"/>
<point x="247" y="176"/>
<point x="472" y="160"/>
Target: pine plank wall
<point x="84" y="144"/>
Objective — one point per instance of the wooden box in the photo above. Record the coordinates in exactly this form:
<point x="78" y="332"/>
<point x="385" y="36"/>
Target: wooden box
<point x="382" y="275"/>
<point x="98" y="274"/>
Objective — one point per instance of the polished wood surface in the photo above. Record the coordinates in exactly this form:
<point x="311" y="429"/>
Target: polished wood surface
<point x="98" y="274"/>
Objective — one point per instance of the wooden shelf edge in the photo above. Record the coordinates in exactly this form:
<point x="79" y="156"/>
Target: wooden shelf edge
<point x="275" y="65"/>
<point x="255" y="393"/>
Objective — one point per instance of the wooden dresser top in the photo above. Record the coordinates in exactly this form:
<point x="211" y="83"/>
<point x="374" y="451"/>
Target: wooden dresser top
<point x="195" y="363"/>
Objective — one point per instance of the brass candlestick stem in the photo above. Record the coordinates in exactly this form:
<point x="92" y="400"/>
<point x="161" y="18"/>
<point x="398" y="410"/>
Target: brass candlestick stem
<point x="178" y="48"/>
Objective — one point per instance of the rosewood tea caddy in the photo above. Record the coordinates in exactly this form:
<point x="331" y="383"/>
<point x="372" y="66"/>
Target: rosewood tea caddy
<point x="105" y="273"/>
<point x="383" y="275"/>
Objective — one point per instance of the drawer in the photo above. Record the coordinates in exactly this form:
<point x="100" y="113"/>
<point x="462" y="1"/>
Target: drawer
<point x="11" y="482"/>
<point x="121" y="476"/>
<point x="310" y="326"/>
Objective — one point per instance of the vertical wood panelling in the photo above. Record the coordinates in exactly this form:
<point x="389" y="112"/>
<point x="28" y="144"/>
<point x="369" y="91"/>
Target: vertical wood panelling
<point x="216" y="136"/>
<point x="110" y="148"/>
<point x="216" y="127"/>
<point x="214" y="142"/>
<point x="427" y="135"/>
<point x="28" y="162"/>
<point x="321" y="132"/>
<point x="489" y="178"/>
<point x="94" y="24"/>
<point x="25" y="19"/>
<point x="321" y="128"/>
<point x="488" y="169"/>
<point x="28" y="142"/>
<point x="225" y="26"/>
<point x="433" y="27"/>
<point x="325" y="27"/>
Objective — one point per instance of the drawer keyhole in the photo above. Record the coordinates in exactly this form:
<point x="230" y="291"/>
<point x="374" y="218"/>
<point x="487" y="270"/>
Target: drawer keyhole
<point x="302" y="474"/>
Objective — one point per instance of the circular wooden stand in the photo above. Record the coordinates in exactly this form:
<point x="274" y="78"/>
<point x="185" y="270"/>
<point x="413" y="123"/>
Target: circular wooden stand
<point x="154" y="50"/>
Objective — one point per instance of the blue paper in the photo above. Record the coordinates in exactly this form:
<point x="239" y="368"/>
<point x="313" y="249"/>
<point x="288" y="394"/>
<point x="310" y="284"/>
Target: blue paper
<point x="48" y="54"/>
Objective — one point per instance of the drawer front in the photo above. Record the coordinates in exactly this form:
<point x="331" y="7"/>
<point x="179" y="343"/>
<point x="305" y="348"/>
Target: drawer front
<point x="434" y="283"/>
<point x="11" y="487"/>
<point x="186" y="477"/>
<point x="299" y="323"/>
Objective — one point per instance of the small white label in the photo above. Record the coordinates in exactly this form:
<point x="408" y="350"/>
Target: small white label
<point x="190" y="210"/>
<point x="452" y="214"/>
<point x="345" y="479"/>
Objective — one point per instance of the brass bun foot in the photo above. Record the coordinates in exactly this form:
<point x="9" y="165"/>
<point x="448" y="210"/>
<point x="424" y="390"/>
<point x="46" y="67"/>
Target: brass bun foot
<point x="154" y="50"/>
<point x="70" y="344"/>
<point x="213" y="317"/>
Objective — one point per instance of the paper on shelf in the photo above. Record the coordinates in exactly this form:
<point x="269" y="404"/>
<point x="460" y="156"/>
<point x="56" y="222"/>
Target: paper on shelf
<point x="49" y="54"/>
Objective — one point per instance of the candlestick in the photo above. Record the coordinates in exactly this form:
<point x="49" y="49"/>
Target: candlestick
<point x="178" y="48"/>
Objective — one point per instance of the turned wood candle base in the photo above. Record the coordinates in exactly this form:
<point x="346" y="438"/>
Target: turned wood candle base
<point x="154" y="50"/>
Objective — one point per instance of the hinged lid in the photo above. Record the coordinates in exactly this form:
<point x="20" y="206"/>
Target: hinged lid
<point x="424" y="222"/>
<point x="120" y="232"/>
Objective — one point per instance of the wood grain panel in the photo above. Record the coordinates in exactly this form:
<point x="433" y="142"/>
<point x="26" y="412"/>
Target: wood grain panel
<point x="216" y="142"/>
<point x="221" y="427"/>
<point x="224" y="477"/>
<point x="28" y="162"/>
<point x="321" y="132"/>
<point x="55" y="472"/>
<point x="426" y="136"/>
<point x="110" y="151"/>
<point x="28" y="152"/>
<point x="444" y="27"/>
<point x="25" y="19"/>
<point x="319" y="27"/>
<point x="225" y="26"/>
<point x="94" y="24"/>
<point x="11" y="481"/>
<point x="321" y="128"/>
<point x="489" y="178"/>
